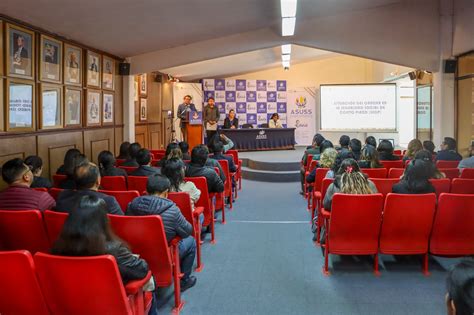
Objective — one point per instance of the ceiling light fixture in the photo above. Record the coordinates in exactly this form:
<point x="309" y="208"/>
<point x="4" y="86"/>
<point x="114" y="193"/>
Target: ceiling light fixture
<point x="285" y="64"/>
<point x="286" y="49"/>
<point x="288" y="26"/>
<point x="288" y="8"/>
<point x="285" y="58"/>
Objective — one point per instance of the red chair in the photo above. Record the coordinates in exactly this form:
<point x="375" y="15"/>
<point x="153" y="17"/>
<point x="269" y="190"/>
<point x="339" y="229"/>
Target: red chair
<point x="375" y="172"/>
<point x="205" y="202"/>
<point x="146" y="237"/>
<point x="467" y="173"/>
<point x="326" y="183"/>
<point x="235" y="155"/>
<point x="396" y="172"/>
<point x="137" y="183"/>
<point x="128" y="169"/>
<point x="462" y="186"/>
<point x="453" y="227"/>
<point x="316" y="194"/>
<point x="353" y="226"/>
<point x="54" y="192"/>
<point x="442" y="185"/>
<point x="384" y="185"/>
<point x="218" y="198"/>
<point x="450" y="173"/>
<point x="309" y="160"/>
<point x="119" y="162"/>
<point x="397" y="152"/>
<point x="393" y="164"/>
<point x="57" y="179"/>
<point x="123" y="197"/>
<point x="235" y="175"/>
<point x="406" y="226"/>
<point x="183" y="201"/>
<point x="20" y="292"/>
<point x="447" y="164"/>
<point x="228" y="183"/>
<point x="92" y="286"/>
<point x="116" y="183"/>
<point x="399" y="156"/>
<point x="23" y="229"/>
<point x="308" y="170"/>
<point x="42" y="189"/>
<point x="54" y="222"/>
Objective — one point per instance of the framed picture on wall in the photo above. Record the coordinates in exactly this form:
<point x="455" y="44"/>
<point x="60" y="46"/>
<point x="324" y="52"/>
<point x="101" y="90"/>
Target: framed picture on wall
<point x="135" y="91"/>
<point x="143" y="85"/>
<point x="20" y="52"/>
<point x="93" y="69"/>
<point x="108" y="73"/>
<point x="72" y="65"/>
<point x="107" y="108"/>
<point x="20" y="96"/>
<point x="72" y="106"/>
<point x="1" y="52"/>
<point x="51" y="109"/>
<point x="51" y="58"/>
<point x="2" y="112"/>
<point x="93" y="108"/>
<point x="143" y="109"/>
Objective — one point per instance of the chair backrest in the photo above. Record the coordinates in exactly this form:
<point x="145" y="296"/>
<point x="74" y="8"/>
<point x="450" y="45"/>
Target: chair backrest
<point x="82" y="285"/>
<point x="462" y="186"/>
<point x="235" y="155"/>
<point x="441" y="185"/>
<point x="453" y="227"/>
<point x="375" y="172"/>
<point x="399" y="156"/>
<point x="158" y="152"/>
<point x="23" y="229"/>
<point x="318" y="180"/>
<point x="123" y="197"/>
<point x="264" y="125"/>
<point x="384" y="185"/>
<point x="137" y="183"/>
<point x="355" y="224"/>
<point x="325" y="185"/>
<point x="450" y="173"/>
<point x="447" y="164"/>
<point x="392" y="164"/>
<point x="54" y="222"/>
<point x="20" y="292"/>
<point x="42" y="189"/>
<point x="119" y="162"/>
<point x="467" y="173"/>
<point x="309" y="159"/>
<point x="146" y="237"/>
<point x="247" y="126"/>
<point x="395" y="172"/>
<point x="312" y="165"/>
<point x="57" y="179"/>
<point x="183" y="201"/>
<point x="397" y="152"/>
<point x="225" y="167"/>
<point x="204" y="200"/>
<point x="113" y="183"/>
<point x="407" y="222"/>
<point x="128" y="169"/>
<point x="54" y="192"/>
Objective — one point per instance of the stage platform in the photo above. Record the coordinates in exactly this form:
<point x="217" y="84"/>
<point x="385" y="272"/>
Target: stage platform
<point x="272" y="166"/>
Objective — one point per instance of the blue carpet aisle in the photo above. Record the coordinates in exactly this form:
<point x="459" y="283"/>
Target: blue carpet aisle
<point x="264" y="262"/>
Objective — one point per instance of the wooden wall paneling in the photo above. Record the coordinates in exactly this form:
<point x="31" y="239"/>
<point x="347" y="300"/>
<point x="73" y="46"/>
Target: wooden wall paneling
<point x="118" y="140"/>
<point x="154" y="100"/>
<point x="2" y="99"/>
<point x="14" y="147"/>
<point x="154" y="136"/>
<point x="118" y="97"/>
<point x="141" y="132"/>
<point x="98" y="140"/>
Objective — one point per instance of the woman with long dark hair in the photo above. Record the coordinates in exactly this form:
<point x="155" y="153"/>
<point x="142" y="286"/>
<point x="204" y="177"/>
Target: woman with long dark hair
<point x="68" y="159"/>
<point x="426" y="156"/>
<point x="107" y="165"/>
<point x="369" y="158"/>
<point x="173" y="169"/>
<point x="415" y="180"/>
<point x="70" y="166"/>
<point x="124" y="153"/>
<point x="385" y="150"/>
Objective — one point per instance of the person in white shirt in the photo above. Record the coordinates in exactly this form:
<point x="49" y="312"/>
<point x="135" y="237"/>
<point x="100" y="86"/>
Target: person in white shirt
<point x="275" y="121"/>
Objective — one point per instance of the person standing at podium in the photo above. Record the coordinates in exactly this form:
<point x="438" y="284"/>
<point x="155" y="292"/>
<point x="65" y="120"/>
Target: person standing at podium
<point x="210" y="117"/>
<point x="183" y="110"/>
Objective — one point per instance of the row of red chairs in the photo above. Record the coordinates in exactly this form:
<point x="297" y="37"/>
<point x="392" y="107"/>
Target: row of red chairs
<point x="403" y="225"/>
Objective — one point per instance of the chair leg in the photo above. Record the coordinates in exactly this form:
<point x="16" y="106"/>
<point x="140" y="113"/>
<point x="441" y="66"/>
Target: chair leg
<point x="213" y="234"/>
<point x="223" y="210"/>
<point x="425" y="264"/>
<point x="178" y="303"/>
<point x="197" y="237"/>
<point x="326" y="258"/>
<point x="376" y="265"/>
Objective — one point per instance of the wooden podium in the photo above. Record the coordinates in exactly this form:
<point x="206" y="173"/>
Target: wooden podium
<point x="194" y="130"/>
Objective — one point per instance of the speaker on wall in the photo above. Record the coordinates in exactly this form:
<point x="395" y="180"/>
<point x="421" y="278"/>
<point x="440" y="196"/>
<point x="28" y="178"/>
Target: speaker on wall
<point x="412" y="75"/>
<point x="450" y="66"/>
<point x="124" y="68"/>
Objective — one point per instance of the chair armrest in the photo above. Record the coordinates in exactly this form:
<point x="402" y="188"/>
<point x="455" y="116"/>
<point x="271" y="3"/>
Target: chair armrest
<point x="198" y="211"/>
<point x="317" y="195"/>
<point x="325" y="213"/>
<point x="134" y="286"/>
<point x="175" y="241"/>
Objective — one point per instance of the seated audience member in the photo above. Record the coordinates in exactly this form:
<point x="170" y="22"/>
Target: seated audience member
<point x="275" y="121"/>
<point x="414" y="146"/>
<point x="468" y="162"/>
<point x="174" y="169"/>
<point x="369" y="158"/>
<point x="228" y="144"/>
<point x="35" y="163"/>
<point x="18" y="195"/>
<point x="231" y="121"/>
<point x="429" y="146"/>
<point x="87" y="179"/>
<point x="157" y="203"/>
<point x="218" y="149"/>
<point x="344" y="143"/>
<point x="107" y="165"/>
<point x="355" y="146"/>
<point x="426" y="156"/>
<point x="460" y="288"/>
<point x="184" y="146"/>
<point x="71" y="165"/>
<point x="144" y="160"/>
<point x="337" y="163"/>
<point x="385" y="150"/>
<point x="315" y="152"/>
<point x="326" y="159"/>
<point x="415" y="180"/>
<point x="370" y="140"/>
<point x="197" y="167"/>
<point x="448" y="151"/>
<point x="132" y="152"/>
<point x="124" y="153"/>
<point x="349" y="180"/>
<point x="68" y="158"/>
<point x="169" y="153"/>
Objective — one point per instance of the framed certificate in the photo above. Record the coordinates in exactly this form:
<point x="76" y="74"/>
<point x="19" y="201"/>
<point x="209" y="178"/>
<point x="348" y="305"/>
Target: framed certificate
<point x="20" y="96"/>
<point x="72" y="65"/>
<point x="72" y="106"/>
<point x="143" y="109"/>
<point x="51" y="59"/>
<point x="93" y="69"/>
<point x="107" y="108"/>
<point x="93" y="108"/>
<point x="51" y="109"/>
<point x="20" y="50"/>
<point x="108" y="73"/>
<point x="143" y="85"/>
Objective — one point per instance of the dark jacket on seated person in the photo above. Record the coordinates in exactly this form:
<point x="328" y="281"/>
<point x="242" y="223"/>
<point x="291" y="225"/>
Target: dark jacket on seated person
<point x="173" y="220"/>
<point x="403" y="188"/>
<point x="130" y="266"/>
<point x="145" y="170"/>
<point x="220" y="156"/>
<point x="214" y="183"/>
<point x="113" y="171"/>
<point x="130" y="163"/>
<point x="61" y="170"/>
<point x="211" y="163"/>
<point x="41" y="182"/>
<point x="384" y="156"/>
<point x="448" y="155"/>
<point x="68" y="199"/>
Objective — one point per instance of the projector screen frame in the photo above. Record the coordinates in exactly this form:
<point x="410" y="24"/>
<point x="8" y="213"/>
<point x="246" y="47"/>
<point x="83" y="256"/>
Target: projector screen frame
<point x="361" y="130"/>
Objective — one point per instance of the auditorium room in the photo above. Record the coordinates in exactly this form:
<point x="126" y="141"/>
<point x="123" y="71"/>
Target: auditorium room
<point x="237" y="157"/>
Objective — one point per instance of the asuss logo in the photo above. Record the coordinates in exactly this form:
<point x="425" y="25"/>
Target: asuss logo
<point x="261" y="135"/>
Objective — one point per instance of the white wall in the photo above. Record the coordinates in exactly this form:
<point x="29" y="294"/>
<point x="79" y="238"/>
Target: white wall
<point x="463" y="26"/>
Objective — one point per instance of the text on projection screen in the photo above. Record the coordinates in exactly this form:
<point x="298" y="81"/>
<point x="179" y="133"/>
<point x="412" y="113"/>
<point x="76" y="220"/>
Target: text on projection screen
<point x="358" y="107"/>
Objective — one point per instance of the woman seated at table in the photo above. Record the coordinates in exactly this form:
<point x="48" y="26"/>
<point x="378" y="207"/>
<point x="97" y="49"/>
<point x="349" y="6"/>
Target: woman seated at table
<point x="231" y="122"/>
<point x="275" y="121"/>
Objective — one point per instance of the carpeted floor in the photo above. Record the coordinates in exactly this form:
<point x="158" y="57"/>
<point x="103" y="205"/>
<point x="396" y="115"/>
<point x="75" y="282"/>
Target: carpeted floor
<point x="264" y="262"/>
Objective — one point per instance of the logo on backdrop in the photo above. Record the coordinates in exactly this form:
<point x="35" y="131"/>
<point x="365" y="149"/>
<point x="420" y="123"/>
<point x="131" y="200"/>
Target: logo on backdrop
<point x="240" y="85"/>
<point x="230" y="96"/>
<point x="251" y="107"/>
<point x="230" y="84"/>
<point x="261" y="85"/>
<point x="252" y="119"/>
<point x="208" y="84"/>
<point x="271" y="85"/>
<point x="251" y="85"/>
<point x="261" y="107"/>
<point x="301" y="109"/>
<point x="220" y="84"/>
<point x="301" y="102"/>
<point x="251" y="96"/>
<point x="261" y="135"/>
<point x="281" y="85"/>
<point x="262" y="119"/>
<point x="271" y="96"/>
<point x="229" y="106"/>
<point x="241" y="108"/>
<point x="281" y="107"/>
<point x="220" y="96"/>
<point x="209" y="94"/>
<point x="221" y="107"/>
<point x="241" y="96"/>
<point x="261" y="96"/>
<point x="299" y="124"/>
<point x="281" y="97"/>
<point x="271" y="107"/>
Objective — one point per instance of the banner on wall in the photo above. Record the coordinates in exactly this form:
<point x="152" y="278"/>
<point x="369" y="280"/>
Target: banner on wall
<point x="301" y="114"/>
<point x="254" y="101"/>
<point x="179" y="91"/>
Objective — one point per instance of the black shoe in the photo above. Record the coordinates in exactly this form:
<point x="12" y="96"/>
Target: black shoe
<point x="301" y="193"/>
<point x="188" y="283"/>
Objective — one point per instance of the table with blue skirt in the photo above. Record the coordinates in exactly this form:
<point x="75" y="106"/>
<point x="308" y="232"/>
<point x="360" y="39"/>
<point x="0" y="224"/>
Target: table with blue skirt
<point x="261" y="138"/>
